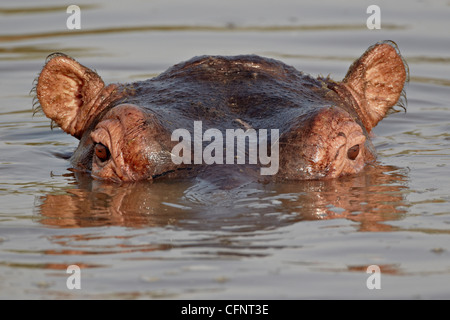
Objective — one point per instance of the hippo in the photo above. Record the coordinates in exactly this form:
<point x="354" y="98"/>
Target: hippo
<point x="318" y="128"/>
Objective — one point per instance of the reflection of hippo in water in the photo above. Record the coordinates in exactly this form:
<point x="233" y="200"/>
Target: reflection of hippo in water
<point x="125" y="131"/>
<point x="369" y="200"/>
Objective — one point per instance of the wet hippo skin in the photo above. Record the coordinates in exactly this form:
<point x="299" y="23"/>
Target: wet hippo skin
<point x="315" y="128"/>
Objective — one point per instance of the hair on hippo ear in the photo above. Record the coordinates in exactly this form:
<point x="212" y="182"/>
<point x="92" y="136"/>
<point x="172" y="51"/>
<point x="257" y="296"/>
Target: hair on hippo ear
<point x="376" y="81"/>
<point x="36" y="106"/>
<point x="66" y="92"/>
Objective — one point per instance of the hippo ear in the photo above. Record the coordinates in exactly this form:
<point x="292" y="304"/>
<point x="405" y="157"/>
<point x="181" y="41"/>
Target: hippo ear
<point x="376" y="81"/>
<point x="67" y="92"/>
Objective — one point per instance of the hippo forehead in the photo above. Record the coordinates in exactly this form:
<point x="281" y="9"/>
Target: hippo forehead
<point x="219" y="90"/>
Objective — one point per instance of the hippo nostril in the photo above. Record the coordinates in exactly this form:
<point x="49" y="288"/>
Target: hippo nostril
<point x="102" y="152"/>
<point x="353" y="152"/>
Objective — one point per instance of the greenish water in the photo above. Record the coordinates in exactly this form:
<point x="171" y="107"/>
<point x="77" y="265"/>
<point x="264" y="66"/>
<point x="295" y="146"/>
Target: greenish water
<point x="193" y="240"/>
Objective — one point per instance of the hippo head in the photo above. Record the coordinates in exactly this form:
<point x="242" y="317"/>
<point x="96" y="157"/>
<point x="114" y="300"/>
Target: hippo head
<point x="126" y="131"/>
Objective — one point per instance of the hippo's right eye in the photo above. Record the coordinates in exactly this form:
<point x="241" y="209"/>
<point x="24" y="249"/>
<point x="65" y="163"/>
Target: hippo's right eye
<point x="353" y="152"/>
<point x="102" y="152"/>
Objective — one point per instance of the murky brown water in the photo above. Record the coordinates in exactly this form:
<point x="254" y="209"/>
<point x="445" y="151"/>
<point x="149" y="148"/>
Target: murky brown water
<point x="192" y="239"/>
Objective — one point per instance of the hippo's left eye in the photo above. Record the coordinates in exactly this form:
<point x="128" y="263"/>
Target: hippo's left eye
<point x="102" y="152"/>
<point x="353" y="152"/>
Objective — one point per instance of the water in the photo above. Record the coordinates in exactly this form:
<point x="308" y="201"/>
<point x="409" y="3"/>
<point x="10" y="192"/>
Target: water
<point x="193" y="240"/>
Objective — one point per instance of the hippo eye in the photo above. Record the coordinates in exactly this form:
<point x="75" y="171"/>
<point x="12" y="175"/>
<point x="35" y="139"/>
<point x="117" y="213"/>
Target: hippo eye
<point x="102" y="152"/>
<point x="353" y="152"/>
